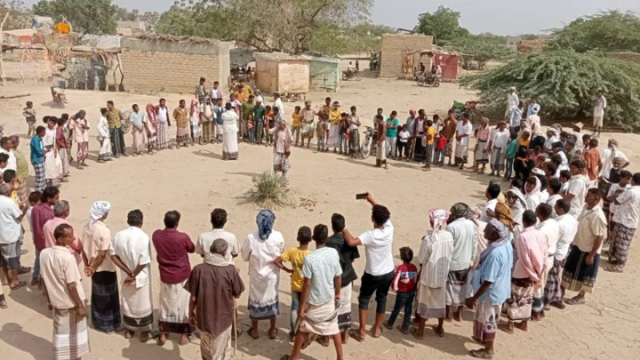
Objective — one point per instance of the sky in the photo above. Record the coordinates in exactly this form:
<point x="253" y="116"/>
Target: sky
<point x="502" y="17"/>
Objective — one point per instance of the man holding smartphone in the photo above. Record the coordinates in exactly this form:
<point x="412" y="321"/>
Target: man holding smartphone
<point x="379" y="267"/>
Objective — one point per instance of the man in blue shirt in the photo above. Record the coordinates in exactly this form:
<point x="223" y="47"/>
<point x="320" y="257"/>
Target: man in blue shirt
<point x="491" y="286"/>
<point x="37" y="158"/>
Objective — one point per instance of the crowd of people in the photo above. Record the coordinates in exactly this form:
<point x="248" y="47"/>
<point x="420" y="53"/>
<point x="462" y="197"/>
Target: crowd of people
<point x="515" y="255"/>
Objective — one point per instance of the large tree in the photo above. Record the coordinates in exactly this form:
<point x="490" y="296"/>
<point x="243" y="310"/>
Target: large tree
<point x="477" y="50"/>
<point x="607" y="31"/>
<point x="443" y="25"/>
<point x="18" y="18"/>
<point x="279" y="25"/>
<point x="565" y="83"/>
<point x="87" y="16"/>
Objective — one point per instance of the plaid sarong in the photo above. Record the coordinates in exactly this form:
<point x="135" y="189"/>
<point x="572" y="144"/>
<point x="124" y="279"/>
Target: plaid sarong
<point x="621" y="241"/>
<point x="552" y="289"/>
<point x="70" y="335"/>
<point x="22" y="193"/>
<point x="41" y="182"/>
<point x="105" y="302"/>
<point x="456" y="281"/>
<point x="520" y="305"/>
<point x="216" y="347"/>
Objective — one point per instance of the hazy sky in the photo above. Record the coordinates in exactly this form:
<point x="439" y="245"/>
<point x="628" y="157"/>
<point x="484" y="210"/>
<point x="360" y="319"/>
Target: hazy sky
<point x="502" y="17"/>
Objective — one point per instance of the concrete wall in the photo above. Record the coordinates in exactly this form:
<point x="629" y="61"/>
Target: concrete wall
<point x="293" y="76"/>
<point x="626" y="56"/>
<point x="173" y="66"/>
<point x="394" y="48"/>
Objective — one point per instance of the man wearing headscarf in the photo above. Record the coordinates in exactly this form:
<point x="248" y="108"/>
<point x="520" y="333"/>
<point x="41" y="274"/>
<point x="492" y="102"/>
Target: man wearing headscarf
<point x="465" y="247"/>
<point x="96" y="242"/>
<point x="260" y="249"/>
<point x="610" y="155"/>
<point x="436" y="251"/>
<point x="491" y="286"/>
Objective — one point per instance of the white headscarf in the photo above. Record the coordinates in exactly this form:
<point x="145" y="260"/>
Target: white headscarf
<point x="98" y="210"/>
<point x="439" y="218"/>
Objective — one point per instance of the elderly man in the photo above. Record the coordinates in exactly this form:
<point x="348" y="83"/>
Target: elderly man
<point x="96" y="242"/>
<point x="10" y="238"/>
<point x="66" y="297"/>
<point x="131" y="252"/>
<point x="465" y="246"/>
<point x="436" y="251"/>
<point x="61" y="211"/>
<point x="491" y="286"/>
<point x="214" y="286"/>
<point x="282" y="140"/>
<point x="608" y="156"/>
<point x="22" y="170"/>
<point x="320" y="295"/>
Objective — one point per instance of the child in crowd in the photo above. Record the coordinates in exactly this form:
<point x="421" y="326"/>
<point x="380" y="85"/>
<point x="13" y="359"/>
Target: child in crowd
<point x="441" y="145"/>
<point x="344" y="133"/>
<point x="269" y="123"/>
<point x="29" y="114"/>
<point x="404" y="284"/>
<point x="403" y="142"/>
<point x="297" y="124"/>
<point x="295" y="256"/>
<point x="321" y="133"/>
<point x="512" y="151"/>
<point x="565" y="176"/>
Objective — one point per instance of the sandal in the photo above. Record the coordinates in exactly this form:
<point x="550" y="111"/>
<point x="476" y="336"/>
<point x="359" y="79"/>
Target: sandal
<point x="414" y="333"/>
<point x="406" y="332"/>
<point x="285" y="357"/>
<point x="614" y="269"/>
<point x="353" y="333"/>
<point x="24" y="270"/>
<point x="3" y="304"/>
<point x="183" y="341"/>
<point x="575" y="301"/>
<point x="273" y="334"/>
<point x="19" y="285"/>
<point x="480" y="354"/>
<point x="254" y="335"/>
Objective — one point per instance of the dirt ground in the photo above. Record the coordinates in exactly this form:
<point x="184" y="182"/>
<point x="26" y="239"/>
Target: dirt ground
<point x="194" y="180"/>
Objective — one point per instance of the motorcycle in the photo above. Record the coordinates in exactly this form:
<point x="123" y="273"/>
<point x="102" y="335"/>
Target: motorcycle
<point x="351" y="75"/>
<point x="428" y="79"/>
<point x="370" y="143"/>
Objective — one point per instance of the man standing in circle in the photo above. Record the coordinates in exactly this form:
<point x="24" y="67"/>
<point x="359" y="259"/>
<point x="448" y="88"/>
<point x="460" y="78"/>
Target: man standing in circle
<point x="598" y="112"/>
<point x="379" y="267"/>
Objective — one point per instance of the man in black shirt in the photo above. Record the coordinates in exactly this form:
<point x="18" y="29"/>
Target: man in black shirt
<point x="347" y="255"/>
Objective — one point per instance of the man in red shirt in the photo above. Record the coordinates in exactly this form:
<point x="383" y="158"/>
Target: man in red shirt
<point x="173" y="248"/>
<point x="40" y="214"/>
<point x="593" y="162"/>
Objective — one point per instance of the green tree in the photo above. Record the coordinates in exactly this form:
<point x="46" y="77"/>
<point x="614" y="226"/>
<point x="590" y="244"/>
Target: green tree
<point x="477" y="50"/>
<point x="18" y="17"/>
<point x="607" y="31"/>
<point x="443" y="25"/>
<point x="87" y="16"/>
<point x="565" y="83"/>
<point x="283" y="25"/>
<point x="123" y="14"/>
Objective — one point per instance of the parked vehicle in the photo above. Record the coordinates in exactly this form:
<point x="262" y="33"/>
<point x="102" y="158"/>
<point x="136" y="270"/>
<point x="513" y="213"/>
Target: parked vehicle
<point x="369" y="144"/>
<point x="351" y="75"/>
<point x="428" y="79"/>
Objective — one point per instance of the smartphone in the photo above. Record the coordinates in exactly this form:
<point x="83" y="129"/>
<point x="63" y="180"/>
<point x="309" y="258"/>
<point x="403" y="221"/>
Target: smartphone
<point x="361" y="196"/>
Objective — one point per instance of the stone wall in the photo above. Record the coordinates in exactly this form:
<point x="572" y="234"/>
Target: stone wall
<point x="172" y="66"/>
<point x="394" y="49"/>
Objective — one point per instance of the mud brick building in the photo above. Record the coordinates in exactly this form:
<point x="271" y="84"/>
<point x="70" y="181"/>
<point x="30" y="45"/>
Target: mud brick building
<point x="161" y="63"/>
<point x="402" y="51"/>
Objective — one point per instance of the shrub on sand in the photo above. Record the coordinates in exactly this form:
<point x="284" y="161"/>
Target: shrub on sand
<point x="270" y="189"/>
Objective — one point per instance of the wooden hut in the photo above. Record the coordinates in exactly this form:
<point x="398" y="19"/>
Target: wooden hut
<point x="282" y="73"/>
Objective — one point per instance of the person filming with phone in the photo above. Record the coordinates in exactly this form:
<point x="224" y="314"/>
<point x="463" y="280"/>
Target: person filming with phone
<point x="379" y="266"/>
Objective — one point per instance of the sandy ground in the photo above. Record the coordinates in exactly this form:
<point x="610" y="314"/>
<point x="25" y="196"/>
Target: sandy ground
<point x="195" y="180"/>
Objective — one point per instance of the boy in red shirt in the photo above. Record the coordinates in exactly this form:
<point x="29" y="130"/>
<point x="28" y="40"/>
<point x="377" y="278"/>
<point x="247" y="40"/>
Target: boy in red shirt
<point x="404" y="284"/>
